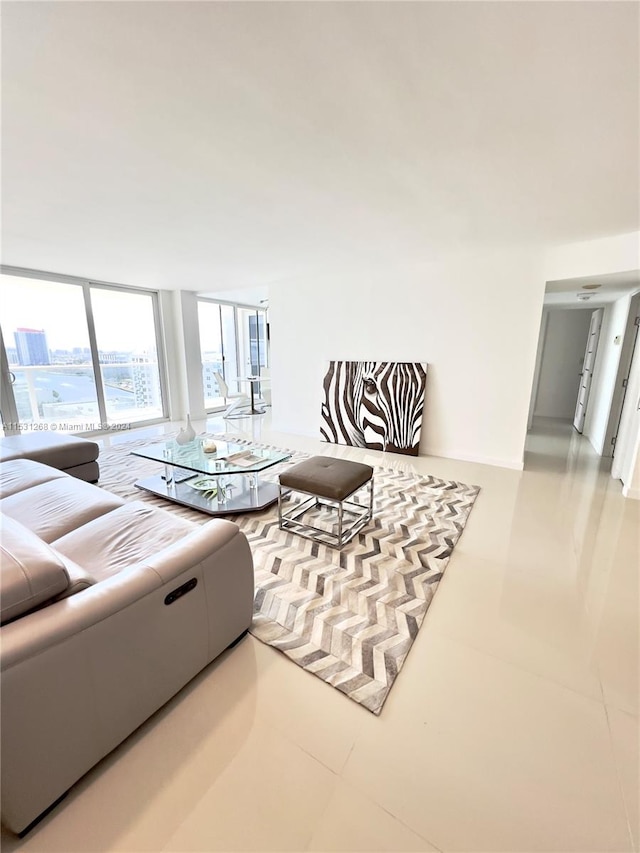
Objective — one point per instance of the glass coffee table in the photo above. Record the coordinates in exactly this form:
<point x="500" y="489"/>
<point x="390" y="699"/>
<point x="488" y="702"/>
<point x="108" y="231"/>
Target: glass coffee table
<point x="222" y="483"/>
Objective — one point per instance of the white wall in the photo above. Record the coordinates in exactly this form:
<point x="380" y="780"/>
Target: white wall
<point x="179" y="313"/>
<point x="536" y="373"/>
<point x="631" y="483"/>
<point x="172" y="338"/>
<point x="562" y="357"/>
<point x="595" y="257"/>
<point x="605" y="371"/>
<point x="474" y="318"/>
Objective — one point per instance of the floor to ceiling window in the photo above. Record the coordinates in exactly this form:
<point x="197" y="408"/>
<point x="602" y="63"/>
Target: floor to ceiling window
<point x="253" y="336"/>
<point x="46" y="339"/>
<point x="233" y="345"/>
<point x="77" y="357"/>
<point x="128" y="354"/>
<point x="217" y="328"/>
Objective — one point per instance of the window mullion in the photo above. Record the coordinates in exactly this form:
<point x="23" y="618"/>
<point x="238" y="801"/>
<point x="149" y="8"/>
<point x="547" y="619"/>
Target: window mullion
<point x="95" y="358"/>
<point x="160" y="354"/>
<point x="10" y="417"/>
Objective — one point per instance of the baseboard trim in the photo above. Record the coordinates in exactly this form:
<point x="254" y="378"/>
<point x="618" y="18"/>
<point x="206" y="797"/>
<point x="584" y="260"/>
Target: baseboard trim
<point x="494" y="461"/>
<point x="628" y="492"/>
<point x="512" y="464"/>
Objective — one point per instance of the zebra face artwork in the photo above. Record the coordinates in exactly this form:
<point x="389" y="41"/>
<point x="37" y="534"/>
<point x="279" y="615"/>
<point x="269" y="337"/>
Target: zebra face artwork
<point x="374" y="404"/>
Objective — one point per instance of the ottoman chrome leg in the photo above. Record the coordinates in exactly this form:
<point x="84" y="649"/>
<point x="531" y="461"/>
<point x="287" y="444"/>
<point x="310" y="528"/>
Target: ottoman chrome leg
<point x="330" y="482"/>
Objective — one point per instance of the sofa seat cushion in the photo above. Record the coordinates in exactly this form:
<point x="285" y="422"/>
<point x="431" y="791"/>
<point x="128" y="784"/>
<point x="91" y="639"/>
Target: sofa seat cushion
<point x="54" y="508"/>
<point x="51" y="448"/>
<point x="20" y="474"/>
<point x="31" y="573"/>
<point x="131" y="534"/>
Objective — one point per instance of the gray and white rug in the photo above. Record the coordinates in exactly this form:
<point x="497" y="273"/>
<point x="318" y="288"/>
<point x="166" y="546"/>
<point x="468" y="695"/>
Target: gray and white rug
<point x="351" y="616"/>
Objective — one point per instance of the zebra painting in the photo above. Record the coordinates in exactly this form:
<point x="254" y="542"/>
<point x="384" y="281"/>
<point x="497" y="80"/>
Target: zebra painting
<point x="374" y="404"/>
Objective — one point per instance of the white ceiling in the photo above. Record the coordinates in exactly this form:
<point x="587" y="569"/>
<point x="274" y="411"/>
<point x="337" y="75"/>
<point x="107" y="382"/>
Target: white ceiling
<point x="257" y="297"/>
<point x="223" y="145"/>
<point x="564" y="293"/>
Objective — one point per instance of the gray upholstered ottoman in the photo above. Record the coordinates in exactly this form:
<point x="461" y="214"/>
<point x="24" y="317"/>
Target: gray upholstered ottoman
<point x="329" y="483"/>
<point x="69" y="453"/>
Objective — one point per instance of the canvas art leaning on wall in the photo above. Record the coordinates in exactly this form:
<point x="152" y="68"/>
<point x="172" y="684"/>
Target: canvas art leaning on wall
<point x="374" y="404"/>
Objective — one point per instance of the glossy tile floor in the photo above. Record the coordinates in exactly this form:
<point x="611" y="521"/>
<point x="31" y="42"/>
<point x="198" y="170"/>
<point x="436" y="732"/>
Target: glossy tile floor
<point x="512" y="727"/>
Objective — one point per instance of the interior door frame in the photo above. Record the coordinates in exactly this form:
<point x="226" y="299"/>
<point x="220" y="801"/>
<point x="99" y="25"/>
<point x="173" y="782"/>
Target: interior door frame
<point x="629" y="343"/>
<point x="629" y="436"/>
<point x="590" y="349"/>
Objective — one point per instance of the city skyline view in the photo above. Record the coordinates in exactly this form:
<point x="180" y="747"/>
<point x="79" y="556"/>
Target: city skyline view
<point x="45" y="332"/>
<point x="46" y="339"/>
<point x="76" y="355"/>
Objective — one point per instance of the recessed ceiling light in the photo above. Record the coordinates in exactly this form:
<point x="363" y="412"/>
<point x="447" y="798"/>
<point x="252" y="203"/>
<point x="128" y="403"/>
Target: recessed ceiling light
<point x="591" y="286"/>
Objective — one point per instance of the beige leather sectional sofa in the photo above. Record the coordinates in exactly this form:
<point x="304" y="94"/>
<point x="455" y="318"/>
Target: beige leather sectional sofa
<point x="108" y="610"/>
<point x="69" y="453"/>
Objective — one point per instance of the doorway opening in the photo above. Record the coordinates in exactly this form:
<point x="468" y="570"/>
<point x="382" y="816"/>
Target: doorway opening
<point x="588" y="335"/>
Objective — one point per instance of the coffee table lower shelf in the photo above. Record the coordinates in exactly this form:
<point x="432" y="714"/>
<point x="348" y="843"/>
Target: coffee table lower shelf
<point x="242" y="499"/>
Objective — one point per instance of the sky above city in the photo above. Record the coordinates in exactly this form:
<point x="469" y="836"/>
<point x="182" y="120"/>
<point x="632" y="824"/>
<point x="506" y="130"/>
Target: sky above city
<point x="123" y="321"/>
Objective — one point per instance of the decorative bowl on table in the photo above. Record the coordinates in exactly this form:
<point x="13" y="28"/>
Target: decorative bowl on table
<point x="207" y="485"/>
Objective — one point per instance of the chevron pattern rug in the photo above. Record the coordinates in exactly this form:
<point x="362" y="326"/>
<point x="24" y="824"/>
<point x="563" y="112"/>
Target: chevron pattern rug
<point x="351" y="616"/>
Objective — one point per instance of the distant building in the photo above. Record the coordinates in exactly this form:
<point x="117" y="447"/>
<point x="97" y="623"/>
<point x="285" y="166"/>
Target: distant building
<point x="113" y="356"/>
<point x="31" y="345"/>
<point x="146" y="386"/>
<point x="209" y="381"/>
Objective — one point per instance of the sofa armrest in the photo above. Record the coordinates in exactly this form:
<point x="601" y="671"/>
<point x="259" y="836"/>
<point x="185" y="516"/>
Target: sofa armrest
<point x="204" y="541"/>
<point x="83" y="673"/>
<point x="63" y="619"/>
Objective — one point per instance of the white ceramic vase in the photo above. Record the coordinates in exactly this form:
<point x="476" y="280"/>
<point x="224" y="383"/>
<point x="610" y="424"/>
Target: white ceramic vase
<point x="186" y="435"/>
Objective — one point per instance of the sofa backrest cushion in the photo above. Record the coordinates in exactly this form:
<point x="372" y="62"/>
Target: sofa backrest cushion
<point x="30" y="571"/>
<point x="20" y="474"/>
<point x="52" y="509"/>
